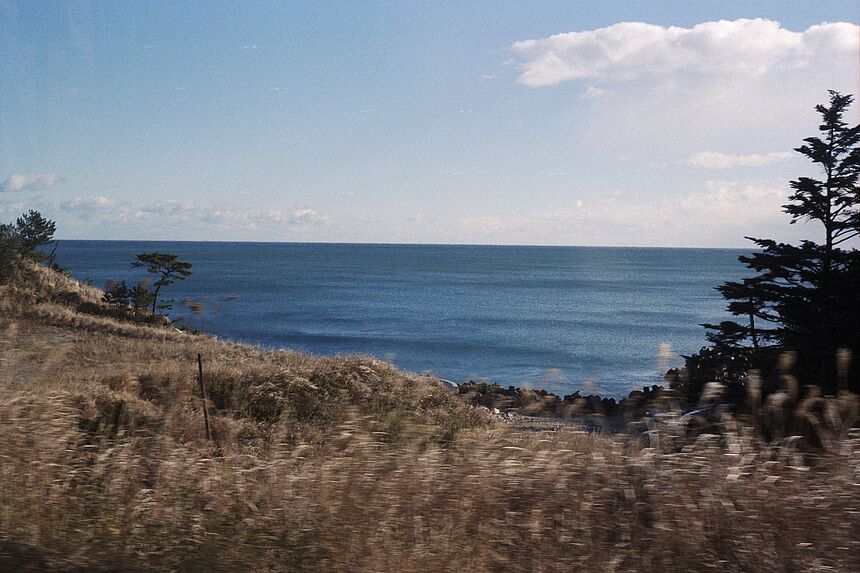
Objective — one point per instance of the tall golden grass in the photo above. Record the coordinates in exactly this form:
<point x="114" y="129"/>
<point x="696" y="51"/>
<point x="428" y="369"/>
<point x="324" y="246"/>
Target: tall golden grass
<point x="346" y="464"/>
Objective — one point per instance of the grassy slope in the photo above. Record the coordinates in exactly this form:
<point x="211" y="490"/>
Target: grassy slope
<point x="345" y="464"/>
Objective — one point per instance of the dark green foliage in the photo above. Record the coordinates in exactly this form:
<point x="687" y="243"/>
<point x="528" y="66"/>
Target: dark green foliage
<point x="728" y="366"/>
<point x="34" y="231"/>
<point x="23" y="239"/>
<point x="116" y="294"/>
<point x="139" y="298"/>
<point x="169" y="270"/>
<point x="128" y="302"/>
<point x="748" y="300"/>
<point x="9" y="249"/>
<point x="806" y="297"/>
<point x="833" y="200"/>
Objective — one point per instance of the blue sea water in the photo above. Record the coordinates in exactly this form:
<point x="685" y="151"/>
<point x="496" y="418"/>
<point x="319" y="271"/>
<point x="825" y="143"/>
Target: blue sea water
<point x="561" y="318"/>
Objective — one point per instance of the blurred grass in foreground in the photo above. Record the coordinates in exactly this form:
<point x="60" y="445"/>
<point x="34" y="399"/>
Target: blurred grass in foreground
<point x="346" y="464"/>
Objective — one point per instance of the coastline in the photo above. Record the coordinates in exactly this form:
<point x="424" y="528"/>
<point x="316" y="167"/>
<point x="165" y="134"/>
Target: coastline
<point x="324" y="464"/>
<point x="561" y="319"/>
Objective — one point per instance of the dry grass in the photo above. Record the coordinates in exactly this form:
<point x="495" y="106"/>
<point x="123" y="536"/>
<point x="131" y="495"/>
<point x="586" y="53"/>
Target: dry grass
<point x="346" y="464"/>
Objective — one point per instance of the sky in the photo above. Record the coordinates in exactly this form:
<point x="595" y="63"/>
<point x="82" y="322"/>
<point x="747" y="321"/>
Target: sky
<point x="553" y="123"/>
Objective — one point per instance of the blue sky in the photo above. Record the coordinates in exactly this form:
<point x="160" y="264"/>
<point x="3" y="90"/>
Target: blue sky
<point x="579" y="123"/>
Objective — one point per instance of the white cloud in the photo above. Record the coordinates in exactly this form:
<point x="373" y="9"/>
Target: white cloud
<point x="592" y="92"/>
<point x="93" y="203"/>
<point x="166" y="213"/>
<point x="298" y="216"/>
<point x="630" y="50"/>
<point x="733" y="86"/>
<point x="99" y="208"/>
<point x="724" y="200"/>
<point x="717" y="212"/>
<point x="14" y="208"/>
<point x="29" y="182"/>
<point x="716" y="160"/>
<point x="182" y="210"/>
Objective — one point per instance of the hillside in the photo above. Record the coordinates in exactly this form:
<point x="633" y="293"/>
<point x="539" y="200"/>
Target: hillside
<point x="347" y="464"/>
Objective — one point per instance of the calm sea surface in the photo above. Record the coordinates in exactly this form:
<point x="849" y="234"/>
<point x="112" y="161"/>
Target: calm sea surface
<point x="563" y="318"/>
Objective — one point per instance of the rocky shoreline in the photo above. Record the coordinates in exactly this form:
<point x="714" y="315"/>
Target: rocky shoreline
<point x="542" y="403"/>
<point x="666" y="411"/>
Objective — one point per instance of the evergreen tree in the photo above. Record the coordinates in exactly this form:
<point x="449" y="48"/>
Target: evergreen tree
<point x="116" y="294"/>
<point x="34" y="231"/>
<point x="169" y="269"/>
<point x="748" y="300"/>
<point x="21" y="240"/>
<point x="139" y="298"/>
<point x="9" y="249"/>
<point x="134" y="300"/>
<point x="806" y="297"/>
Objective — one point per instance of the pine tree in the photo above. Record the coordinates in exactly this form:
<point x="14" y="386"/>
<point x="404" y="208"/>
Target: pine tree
<point x="806" y="297"/>
<point x="116" y="294"/>
<point x="169" y="268"/>
<point x="34" y="231"/>
<point x="139" y="298"/>
<point x="10" y="243"/>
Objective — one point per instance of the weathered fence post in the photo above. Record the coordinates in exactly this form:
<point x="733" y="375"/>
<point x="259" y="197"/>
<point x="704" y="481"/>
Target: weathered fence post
<point x="203" y="391"/>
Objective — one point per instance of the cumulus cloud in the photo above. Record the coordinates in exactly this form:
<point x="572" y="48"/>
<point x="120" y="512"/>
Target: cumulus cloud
<point x="29" y="182"/>
<point x="630" y="50"/>
<point x="669" y="92"/>
<point x="716" y="160"/>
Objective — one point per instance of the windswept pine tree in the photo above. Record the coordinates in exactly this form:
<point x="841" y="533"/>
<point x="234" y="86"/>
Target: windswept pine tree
<point x="168" y="268"/>
<point x="806" y="297"/>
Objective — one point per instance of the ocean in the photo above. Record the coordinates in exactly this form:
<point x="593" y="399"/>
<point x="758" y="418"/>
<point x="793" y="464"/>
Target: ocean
<point x="559" y="318"/>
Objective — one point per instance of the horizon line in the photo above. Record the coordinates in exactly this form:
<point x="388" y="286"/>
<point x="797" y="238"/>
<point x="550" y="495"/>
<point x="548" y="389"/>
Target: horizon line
<point x="396" y="244"/>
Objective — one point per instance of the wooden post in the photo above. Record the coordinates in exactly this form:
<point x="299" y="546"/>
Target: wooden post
<point x="203" y="391"/>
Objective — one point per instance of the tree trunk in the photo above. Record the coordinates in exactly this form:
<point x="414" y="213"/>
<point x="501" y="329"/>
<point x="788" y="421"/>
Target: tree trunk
<point x="752" y="326"/>
<point x="155" y="297"/>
